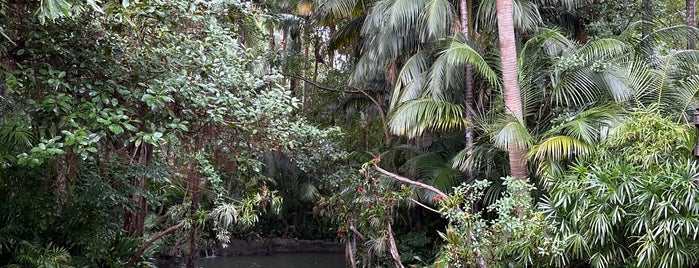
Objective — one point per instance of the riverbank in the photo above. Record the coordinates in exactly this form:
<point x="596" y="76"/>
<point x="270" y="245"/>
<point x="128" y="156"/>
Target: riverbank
<point x="278" y="245"/>
<point x="268" y="246"/>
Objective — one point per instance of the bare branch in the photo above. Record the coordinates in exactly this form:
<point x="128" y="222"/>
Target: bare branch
<point x="409" y="181"/>
<point x="423" y="205"/>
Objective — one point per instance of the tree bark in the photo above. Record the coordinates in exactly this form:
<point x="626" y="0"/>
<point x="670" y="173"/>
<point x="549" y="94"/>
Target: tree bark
<point x="134" y="220"/>
<point x="513" y="100"/>
<point x="468" y="89"/>
<point x="690" y="6"/>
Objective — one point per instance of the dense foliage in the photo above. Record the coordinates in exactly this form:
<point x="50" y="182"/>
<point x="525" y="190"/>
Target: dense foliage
<point x="447" y="133"/>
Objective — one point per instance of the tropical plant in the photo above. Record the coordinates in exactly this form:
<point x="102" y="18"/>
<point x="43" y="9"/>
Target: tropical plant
<point x="519" y="236"/>
<point x="49" y="256"/>
<point x="631" y="202"/>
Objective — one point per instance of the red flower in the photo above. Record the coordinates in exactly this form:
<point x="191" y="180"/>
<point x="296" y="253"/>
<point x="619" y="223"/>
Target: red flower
<point x="344" y="230"/>
<point x="436" y="199"/>
<point x="376" y="159"/>
<point x="360" y="189"/>
<point x="339" y="234"/>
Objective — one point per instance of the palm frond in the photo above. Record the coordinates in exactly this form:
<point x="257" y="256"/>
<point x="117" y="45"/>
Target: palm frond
<point x="576" y="88"/>
<point x="511" y="133"/>
<point x="437" y="20"/>
<point x="679" y="34"/>
<point x="432" y="167"/>
<point x="570" y="5"/>
<point x="645" y="83"/>
<point x="604" y="50"/>
<point x="307" y="192"/>
<point x="413" y="117"/>
<point x="486" y="158"/>
<point x="410" y="80"/>
<point x="338" y="8"/>
<point x="526" y="16"/>
<point x="558" y="148"/>
<point x="347" y="35"/>
<point x="680" y="73"/>
<point x="588" y="125"/>
<point x="458" y="54"/>
<point x="550" y="43"/>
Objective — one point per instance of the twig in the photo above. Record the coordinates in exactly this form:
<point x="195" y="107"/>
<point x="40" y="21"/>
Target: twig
<point x="423" y="205"/>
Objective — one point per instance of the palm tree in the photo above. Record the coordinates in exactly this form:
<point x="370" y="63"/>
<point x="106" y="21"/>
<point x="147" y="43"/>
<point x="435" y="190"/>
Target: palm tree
<point x="690" y="11"/>
<point x="513" y="100"/>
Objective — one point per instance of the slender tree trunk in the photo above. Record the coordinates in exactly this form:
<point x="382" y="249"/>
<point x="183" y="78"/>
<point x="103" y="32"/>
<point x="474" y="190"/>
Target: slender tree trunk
<point x="648" y="17"/>
<point x="468" y="92"/>
<point x="272" y="42"/>
<point x="513" y="100"/>
<point x="331" y="53"/>
<point x="392" y="246"/>
<point x="691" y="9"/>
<point x="351" y="243"/>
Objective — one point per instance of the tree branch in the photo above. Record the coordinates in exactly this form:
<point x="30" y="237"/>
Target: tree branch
<point x="409" y="181"/>
<point x="423" y="205"/>
<point x="143" y="247"/>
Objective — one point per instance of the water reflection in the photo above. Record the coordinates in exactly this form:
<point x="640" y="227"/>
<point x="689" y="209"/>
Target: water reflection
<point x="295" y="260"/>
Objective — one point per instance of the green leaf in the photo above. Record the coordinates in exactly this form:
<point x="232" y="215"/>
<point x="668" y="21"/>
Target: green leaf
<point x="116" y="129"/>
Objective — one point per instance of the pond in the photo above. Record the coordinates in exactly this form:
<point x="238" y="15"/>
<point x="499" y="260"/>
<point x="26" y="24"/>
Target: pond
<point x="290" y="260"/>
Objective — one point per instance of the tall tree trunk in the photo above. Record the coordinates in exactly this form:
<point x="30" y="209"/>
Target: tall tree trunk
<point x="306" y="44"/>
<point x="468" y="91"/>
<point x="648" y="17"/>
<point x="691" y="9"/>
<point x="513" y="100"/>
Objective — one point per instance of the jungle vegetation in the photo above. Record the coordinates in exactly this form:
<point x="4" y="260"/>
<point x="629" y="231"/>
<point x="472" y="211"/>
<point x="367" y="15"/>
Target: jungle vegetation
<point x="416" y="133"/>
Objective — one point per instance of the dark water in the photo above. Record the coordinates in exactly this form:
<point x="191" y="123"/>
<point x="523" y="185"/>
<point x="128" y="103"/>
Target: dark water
<point x="292" y="260"/>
